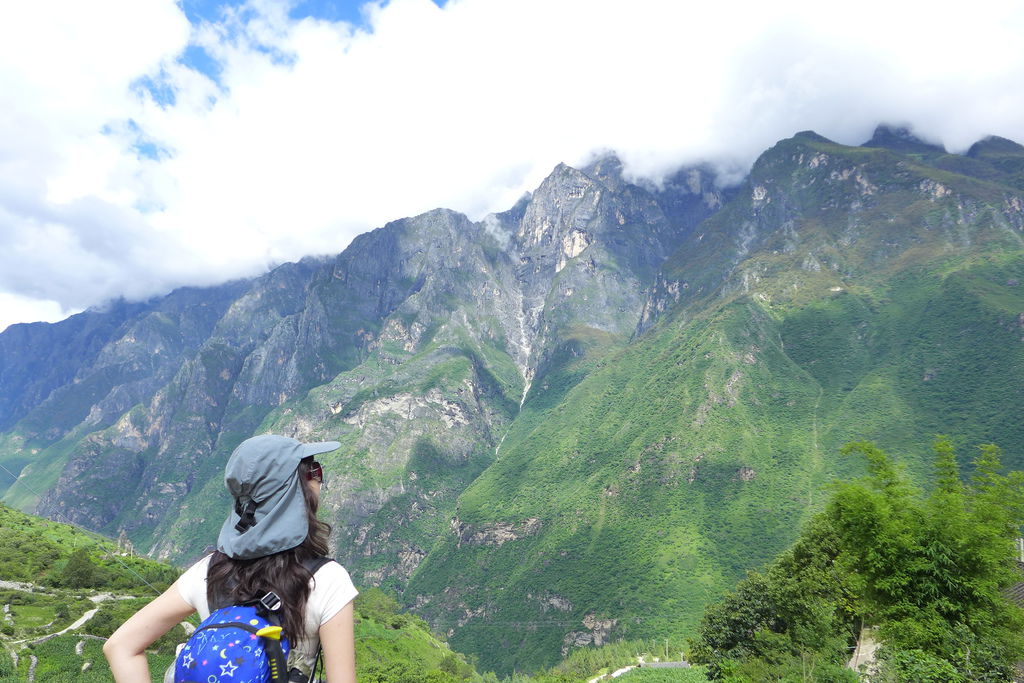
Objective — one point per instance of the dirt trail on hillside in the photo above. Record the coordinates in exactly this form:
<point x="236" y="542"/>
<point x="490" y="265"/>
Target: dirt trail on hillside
<point x="19" y="586"/>
<point x="89" y="614"/>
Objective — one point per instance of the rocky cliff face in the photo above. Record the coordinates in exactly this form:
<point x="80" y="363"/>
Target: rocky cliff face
<point x="609" y="401"/>
<point x="829" y="212"/>
<point x="427" y="410"/>
<point x="417" y="345"/>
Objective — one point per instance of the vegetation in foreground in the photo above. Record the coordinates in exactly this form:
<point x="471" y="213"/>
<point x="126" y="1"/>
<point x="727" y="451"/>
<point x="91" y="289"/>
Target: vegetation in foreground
<point x="641" y="675"/>
<point x="928" y="573"/>
<point x="925" y="574"/>
<point x="63" y="572"/>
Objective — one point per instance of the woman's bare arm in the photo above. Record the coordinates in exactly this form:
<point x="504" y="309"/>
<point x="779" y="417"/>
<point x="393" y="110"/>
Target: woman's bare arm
<point x="126" y="647"/>
<point x="338" y="641"/>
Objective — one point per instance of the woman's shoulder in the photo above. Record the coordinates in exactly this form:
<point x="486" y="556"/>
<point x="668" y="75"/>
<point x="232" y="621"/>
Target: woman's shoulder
<point x="199" y="567"/>
<point x="332" y="590"/>
<point x="192" y="584"/>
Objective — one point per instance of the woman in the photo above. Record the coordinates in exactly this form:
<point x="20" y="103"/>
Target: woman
<point x="270" y="532"/>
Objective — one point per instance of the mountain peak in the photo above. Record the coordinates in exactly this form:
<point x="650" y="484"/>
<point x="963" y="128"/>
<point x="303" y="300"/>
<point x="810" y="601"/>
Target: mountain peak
<point x="811" y="136"/>
<point x="607" y="169"/>
<point x="788" y="151"/>
<point x="900" y="139"/>
<point x="993" y="145"/>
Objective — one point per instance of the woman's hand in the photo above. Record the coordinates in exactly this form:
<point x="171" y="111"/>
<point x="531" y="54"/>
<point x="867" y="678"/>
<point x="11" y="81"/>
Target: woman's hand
<point x="126" y="647"/>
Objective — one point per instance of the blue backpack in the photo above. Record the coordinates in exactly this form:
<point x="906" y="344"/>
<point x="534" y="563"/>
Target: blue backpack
<point x="240" y="643"/>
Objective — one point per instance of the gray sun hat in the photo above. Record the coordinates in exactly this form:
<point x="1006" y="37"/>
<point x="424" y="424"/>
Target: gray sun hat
<point x="269" y="514"/>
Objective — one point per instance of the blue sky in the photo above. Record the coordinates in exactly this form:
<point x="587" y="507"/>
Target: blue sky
<point x="198" y="11"/>
<point x="150" y="144"/>
<point x="350" y="11"/>
<point x="208" y="10"/>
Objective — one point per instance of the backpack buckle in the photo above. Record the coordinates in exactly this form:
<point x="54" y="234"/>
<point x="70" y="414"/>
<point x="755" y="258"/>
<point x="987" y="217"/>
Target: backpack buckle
<point x="271" y="602"/>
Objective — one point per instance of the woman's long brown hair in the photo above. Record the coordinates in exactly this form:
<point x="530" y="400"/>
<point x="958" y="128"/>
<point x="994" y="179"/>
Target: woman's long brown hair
<point x="282" y="573"/>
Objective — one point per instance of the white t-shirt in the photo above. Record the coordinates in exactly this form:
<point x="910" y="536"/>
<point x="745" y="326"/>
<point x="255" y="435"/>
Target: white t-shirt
<point x="330" y="590"/>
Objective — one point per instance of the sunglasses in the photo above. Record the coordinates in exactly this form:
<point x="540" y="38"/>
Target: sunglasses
<point x="315" y="472"/>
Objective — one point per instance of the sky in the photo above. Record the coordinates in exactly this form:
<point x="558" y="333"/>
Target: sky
<point x="151" y="144"/>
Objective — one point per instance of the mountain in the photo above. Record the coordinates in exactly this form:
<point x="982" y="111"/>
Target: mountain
<point x="844" y="293"/>
<point x="576" y="421"/>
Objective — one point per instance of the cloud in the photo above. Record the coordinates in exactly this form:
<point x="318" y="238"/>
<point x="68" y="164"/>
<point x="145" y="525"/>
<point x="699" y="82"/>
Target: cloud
<point x="123" y="171"/>
<point x="496" y="230"/>
<point x="19" y="309"/>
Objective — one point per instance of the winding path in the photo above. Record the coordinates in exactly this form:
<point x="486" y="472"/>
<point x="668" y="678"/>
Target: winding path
<point x="89" y="614"/>
<point x="13" y="645"/>
<point x="32" y="588"/>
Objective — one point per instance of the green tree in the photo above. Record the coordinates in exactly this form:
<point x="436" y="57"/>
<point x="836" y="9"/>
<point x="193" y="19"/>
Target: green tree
<point x="79" y="572"/>
<point x="918" y="666"/>
<point x="929" y="570"/>
<point x="796" y="616"/>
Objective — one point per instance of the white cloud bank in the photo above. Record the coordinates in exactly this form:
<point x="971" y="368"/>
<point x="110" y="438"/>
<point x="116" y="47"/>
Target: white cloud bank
<point x="316" y="131"/>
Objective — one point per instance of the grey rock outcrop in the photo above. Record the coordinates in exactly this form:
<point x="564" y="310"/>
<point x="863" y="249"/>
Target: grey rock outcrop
<point x="416" y="347"/>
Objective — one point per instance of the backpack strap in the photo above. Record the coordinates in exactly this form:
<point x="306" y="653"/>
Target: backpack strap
<point x="313" y="564"/>
<point x="216" y="600"/>
<point x="276" y="659"/>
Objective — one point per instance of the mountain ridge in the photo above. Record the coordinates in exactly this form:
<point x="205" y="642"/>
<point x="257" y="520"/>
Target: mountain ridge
<point x="607" y="383"/>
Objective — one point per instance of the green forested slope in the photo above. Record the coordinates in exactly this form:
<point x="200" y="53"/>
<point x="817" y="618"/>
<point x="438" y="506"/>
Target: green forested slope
<point x="849" y="293"/>
<point x="612" y="475"/>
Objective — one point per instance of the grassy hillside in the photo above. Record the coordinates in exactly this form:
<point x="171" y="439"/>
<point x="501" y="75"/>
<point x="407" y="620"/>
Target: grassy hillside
<point x="38" y="550"/>
<point x="392" y="646"/>
<point x="63" y="572"/>
<point x="643" y="675"/>
<point x="60" y="573"/>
